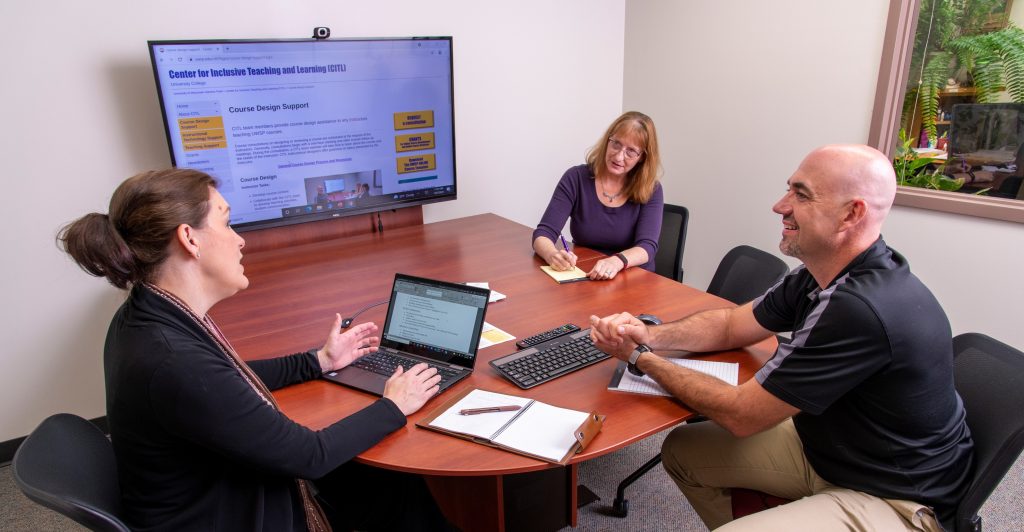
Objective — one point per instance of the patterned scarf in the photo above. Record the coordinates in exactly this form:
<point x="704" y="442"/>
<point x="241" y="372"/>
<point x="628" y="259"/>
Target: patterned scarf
<point x="316" y="521"/>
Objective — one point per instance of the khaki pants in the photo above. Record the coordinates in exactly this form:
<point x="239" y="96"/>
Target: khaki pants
<point x="705" y="460"/>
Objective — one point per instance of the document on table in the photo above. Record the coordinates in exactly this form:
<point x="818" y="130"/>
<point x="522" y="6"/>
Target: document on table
<point x="491" y="335"/>
<point x="624" y="381"/>
<point x="495" y="295"/>
<point x="535" y="429"/>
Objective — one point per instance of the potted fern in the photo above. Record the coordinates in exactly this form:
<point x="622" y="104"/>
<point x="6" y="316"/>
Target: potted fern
<point x="914" y="170"/>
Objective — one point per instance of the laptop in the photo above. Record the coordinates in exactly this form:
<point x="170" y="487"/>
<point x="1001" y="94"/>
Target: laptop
<point x="430" y="321"/>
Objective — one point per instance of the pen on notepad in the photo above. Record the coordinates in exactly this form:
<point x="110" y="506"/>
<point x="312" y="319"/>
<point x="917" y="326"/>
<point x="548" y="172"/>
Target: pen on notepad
<point x="489" y="409"/>
<point x="564" y="245"/>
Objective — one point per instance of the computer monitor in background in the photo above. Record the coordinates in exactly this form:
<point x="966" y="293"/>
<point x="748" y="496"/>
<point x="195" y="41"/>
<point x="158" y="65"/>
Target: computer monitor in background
<point x="304" y="130"/>
<point x="986" y="134"/>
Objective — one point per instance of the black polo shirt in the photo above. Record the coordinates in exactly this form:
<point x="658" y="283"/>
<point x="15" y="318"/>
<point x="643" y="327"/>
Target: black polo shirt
<point x="870" y="366"/>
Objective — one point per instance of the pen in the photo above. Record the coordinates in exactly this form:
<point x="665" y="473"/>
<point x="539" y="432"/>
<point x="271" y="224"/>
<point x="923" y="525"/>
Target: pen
<point x="564" y="245"/>
<point x="489" y="409"/>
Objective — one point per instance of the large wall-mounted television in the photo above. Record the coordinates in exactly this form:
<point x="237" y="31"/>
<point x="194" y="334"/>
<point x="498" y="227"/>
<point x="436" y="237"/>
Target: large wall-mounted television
<point x="304" y="130"/>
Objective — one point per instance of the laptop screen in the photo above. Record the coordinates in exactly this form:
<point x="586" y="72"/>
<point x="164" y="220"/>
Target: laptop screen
<point x="435" y="319"/>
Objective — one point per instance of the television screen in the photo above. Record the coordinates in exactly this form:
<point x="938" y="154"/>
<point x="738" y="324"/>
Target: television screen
<point x="302" y="130"/>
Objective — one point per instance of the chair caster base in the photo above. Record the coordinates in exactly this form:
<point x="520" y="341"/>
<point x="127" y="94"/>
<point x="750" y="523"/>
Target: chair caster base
<point x="620" y="507"/>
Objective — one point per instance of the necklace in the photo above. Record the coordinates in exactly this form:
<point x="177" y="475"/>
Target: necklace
<point x="610" y="198"/>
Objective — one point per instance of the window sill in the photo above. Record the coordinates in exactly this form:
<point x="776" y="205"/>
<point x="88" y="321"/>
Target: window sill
<point x="1005" y="209"/>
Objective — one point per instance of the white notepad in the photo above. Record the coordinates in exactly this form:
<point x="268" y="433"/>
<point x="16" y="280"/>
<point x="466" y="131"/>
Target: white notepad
<point x="536" y="429"/>
<point x="624" y="381"/>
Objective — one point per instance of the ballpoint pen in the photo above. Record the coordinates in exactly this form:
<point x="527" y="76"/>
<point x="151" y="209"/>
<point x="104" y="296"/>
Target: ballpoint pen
<point x="489" y="409"/>
<point x="564" y="245"/>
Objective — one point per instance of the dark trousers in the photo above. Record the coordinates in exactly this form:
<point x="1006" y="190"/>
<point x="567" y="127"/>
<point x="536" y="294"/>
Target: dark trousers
<point x="359" y="497"/>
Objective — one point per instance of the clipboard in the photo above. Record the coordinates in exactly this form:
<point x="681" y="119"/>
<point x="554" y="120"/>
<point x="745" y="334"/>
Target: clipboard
<point x="537" y="430"/>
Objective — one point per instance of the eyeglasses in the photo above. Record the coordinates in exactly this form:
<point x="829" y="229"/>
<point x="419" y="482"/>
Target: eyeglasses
<point x="616" y="147"/>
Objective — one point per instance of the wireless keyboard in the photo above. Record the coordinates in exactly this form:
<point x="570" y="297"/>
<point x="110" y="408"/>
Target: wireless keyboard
<point x="547" y="335"/>
<point x="549" y="360"/>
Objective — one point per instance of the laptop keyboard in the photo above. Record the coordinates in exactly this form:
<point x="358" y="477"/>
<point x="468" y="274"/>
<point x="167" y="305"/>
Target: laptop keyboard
<point x="550" y="360"/>
<point x="385" y="363"/>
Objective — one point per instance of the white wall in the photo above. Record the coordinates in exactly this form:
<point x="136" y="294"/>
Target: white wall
<point x="535" y="83"/>
<point x="741" y="91"/>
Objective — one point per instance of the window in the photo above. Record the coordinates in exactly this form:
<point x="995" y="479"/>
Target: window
<point x="917" y="88"/>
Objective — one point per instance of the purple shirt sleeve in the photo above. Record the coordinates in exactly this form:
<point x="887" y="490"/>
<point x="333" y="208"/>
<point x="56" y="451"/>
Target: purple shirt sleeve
<point x="594" y="225"/>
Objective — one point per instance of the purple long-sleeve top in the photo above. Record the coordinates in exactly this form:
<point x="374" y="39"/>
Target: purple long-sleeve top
<point x="597" y="226"/>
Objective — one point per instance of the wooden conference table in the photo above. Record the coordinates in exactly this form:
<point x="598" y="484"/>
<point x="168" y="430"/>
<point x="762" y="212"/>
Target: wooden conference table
<point x="294" y="293"/>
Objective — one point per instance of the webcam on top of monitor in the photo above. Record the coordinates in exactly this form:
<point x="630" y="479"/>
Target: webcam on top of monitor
<point x="321" y="32"/>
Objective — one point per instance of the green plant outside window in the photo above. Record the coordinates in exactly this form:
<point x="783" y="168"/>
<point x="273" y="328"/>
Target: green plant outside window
<point x="965" y="51"/>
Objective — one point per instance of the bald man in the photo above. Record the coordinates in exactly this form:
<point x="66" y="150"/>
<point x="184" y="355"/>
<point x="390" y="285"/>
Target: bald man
<point x="856" y="416"/>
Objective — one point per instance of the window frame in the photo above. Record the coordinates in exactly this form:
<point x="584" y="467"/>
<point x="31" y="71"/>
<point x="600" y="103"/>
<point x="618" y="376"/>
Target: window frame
<point x="893" y="74"/>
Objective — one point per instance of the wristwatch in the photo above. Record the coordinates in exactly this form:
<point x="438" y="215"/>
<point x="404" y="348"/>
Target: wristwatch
<point x="631" y="366"/>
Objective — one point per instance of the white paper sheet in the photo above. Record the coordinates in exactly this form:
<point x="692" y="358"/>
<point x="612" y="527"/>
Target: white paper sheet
<point x="726" y="371"/>
<point x="543" y="430"/>
<point x="480" y="425"/>
<point x="537" y="428"/>
<point x="491" y="335"/>
<point x="495" y="295"/>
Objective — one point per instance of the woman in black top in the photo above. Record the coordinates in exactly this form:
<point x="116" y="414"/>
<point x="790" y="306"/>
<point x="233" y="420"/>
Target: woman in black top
<point x="199" y="440"/>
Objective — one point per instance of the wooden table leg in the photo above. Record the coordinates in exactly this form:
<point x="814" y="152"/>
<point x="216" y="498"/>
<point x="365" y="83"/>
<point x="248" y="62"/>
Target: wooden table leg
<point x="536" y="501"/>
<point x="573" y="494"/>
<point x="470" y="503"/>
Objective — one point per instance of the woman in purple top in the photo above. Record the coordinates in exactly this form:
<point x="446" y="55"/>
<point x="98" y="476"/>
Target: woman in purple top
<point x="614" y="202"/>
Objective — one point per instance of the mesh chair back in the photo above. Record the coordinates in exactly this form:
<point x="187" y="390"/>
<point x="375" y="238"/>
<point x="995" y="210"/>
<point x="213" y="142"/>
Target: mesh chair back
<point x="67" y="464"/>
<point x="990" y="379"/>
<point x="745" y="273"/>
<point x="669" y="260"/>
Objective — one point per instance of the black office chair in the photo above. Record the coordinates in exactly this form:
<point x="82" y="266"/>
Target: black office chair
<point x="744" y="274"/>
<point x="67" y="464"/>
<point x="1009" y="188"/>
<point x="668" y="262"/>
<point x="990" y="378"/>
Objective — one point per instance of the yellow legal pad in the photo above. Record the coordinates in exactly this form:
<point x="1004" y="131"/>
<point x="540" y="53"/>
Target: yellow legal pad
<point x="568" y="276"/>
